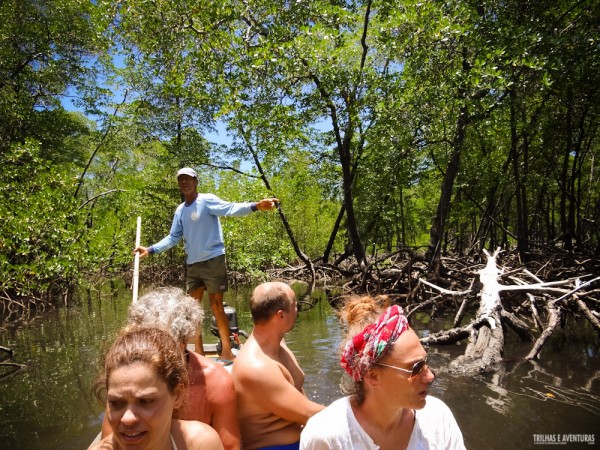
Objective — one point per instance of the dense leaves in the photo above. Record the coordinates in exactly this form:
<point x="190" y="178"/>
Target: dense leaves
<point x="444" y="126"/>
<point x="38" y="236"/>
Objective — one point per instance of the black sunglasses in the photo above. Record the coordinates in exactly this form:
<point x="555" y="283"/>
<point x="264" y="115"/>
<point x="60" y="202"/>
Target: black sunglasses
<point x="417" y="367"/>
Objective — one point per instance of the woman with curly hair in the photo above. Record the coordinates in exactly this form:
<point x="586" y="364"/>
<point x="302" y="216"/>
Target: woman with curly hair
<point x="143" y="381"/>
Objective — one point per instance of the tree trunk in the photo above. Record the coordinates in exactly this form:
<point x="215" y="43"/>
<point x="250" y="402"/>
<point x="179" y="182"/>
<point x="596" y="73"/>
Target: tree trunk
<point x="401" y="236"/>
<point x="333" y="234"/>
<point x="351" y="222"/>
<point x="284" y="220"/>
<point x="564" y="181"/>
<point x="441" y="215"/>
<point x="520" y="191"/>
<point x="486" y="344"/>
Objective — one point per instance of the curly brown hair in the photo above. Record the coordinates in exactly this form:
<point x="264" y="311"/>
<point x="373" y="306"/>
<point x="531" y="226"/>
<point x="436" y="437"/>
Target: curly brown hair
<point x="152" y="346"/>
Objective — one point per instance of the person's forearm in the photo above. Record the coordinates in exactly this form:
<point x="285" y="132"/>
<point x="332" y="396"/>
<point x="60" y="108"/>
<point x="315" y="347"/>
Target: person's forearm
<point x="221" y="208"/>
<point x="302" y="412"/>
<point x="229" y="434"/>
<point x="312" y="409"/>
<point x="164" y="244"/>
<point x="174" y="236"/>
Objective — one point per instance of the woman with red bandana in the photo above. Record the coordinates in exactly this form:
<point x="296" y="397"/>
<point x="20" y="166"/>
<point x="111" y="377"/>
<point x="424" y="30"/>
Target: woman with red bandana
<point x="387" y="379"/>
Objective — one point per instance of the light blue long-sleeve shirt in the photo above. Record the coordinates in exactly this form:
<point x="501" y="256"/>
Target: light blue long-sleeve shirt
<point x="198" y="223"/>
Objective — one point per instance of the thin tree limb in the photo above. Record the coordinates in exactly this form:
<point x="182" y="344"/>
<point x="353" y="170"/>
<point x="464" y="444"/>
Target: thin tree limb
<point x="553" y="321"/>
<point x="97" y="196"/>
<point x="579" y="287"/>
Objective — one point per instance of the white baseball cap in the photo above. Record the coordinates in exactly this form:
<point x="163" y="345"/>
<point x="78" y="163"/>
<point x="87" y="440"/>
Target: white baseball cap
<point x="187" y="171"/>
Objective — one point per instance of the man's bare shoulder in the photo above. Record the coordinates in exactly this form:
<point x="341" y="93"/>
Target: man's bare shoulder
<point x="252" y="365"/>
<point x="195" y="435"/>
<point x="214" y="372"/>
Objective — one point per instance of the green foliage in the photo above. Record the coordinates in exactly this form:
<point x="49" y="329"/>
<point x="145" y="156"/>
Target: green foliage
<point x="44" y="50"/>
<point x="377" y="106"/>
<point x="38" y="237"/>
<point x="259" y="241"/>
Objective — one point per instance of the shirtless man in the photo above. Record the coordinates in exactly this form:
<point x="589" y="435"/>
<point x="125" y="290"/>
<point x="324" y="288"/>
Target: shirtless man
<point x="210" y="395"/>
<point x="211" y="399"/>
<point x="272" y="405"/>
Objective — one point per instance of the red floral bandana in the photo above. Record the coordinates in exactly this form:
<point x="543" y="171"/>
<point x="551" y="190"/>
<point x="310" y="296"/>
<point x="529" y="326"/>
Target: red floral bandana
<point x="368" y="346"/>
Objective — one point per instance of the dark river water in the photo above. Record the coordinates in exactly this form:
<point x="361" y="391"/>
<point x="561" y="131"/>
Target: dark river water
<point x="47" y="404"/>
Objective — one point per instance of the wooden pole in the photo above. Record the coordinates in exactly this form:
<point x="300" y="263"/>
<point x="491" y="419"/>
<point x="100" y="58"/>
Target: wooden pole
<point x="136" y="263"/>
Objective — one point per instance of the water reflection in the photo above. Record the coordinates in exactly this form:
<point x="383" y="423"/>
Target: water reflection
<point x="314" y="341"/>
<point x="506" y="409"/>
<point x="7" y="366"/>
<point x="48" y="404"/>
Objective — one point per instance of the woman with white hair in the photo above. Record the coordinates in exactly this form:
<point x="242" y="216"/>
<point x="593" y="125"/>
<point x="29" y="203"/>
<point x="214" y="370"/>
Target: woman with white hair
<point x="169" y="308"/>
<point x="387" y="380"/>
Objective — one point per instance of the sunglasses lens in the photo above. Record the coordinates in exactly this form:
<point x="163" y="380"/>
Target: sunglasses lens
<point x="418" y="367"/>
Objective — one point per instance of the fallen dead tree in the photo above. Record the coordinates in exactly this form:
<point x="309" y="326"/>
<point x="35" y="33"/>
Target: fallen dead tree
<point x="534" y="299"/>
<point x="486" y="331"/>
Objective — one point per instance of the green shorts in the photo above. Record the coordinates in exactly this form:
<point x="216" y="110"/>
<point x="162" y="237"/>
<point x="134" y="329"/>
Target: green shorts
<point x="211" y="274"/>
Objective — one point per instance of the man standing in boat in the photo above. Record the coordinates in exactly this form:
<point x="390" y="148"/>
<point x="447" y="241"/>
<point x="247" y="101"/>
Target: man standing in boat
<point x="196" y="220"/>
<point x="272" y="404"/>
